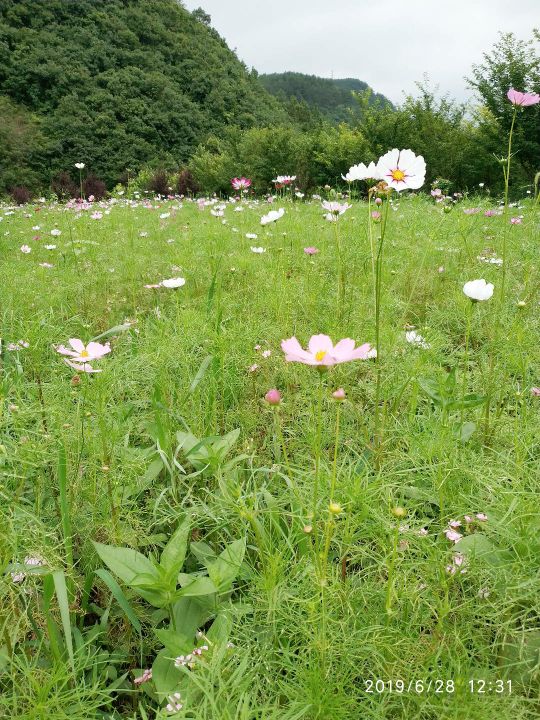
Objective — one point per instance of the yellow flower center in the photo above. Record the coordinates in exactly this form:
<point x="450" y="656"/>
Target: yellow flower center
<point x="85" y="353"/>
<point x="398" y="175"/>
<point x="320" y="355"/>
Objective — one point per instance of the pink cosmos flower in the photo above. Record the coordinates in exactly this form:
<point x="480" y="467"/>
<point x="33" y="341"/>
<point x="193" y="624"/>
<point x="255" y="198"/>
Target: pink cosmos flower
<point x="84" y="353"/>
<point x="26" y="249"/>
<point x="516" y="220"/>
<point x="335" y="208"/>
<point x="322" y="352"/>
<point x="535" y="391"/>
<point x="481" y="516"/>
<point x="339" y="394"/>
<point x="522" y="99"/>
<point x="241" y="183"/>
<point x="311" y="250"/>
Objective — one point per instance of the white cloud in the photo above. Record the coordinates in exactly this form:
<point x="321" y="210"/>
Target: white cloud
<point x="388" y="43"/>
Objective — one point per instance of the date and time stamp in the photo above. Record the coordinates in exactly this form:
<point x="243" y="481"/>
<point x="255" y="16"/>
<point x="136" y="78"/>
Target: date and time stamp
<point x="473" y="686"/>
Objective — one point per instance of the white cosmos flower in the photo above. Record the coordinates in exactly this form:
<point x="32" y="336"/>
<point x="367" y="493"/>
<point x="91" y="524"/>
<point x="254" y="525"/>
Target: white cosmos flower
<point x="251" y="236"/>
<point x="478" y="290"/>
<point x="173" y="282"/>
<point x="79" y="165"/>
<point x="361" y="172"/>
<point x="402" y="169"/>
<point x="258" y="250"/>
<point x="56" y="232"/>
<point x="164" y="215"/>
<point x="272" y="216"/>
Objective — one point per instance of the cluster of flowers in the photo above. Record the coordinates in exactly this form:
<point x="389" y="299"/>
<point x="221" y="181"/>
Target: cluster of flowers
<point x="452" y="533"/>
<point x="189" y="659"/>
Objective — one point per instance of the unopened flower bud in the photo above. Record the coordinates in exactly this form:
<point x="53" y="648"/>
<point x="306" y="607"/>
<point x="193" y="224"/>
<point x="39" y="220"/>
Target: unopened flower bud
<point x="399" y="512"/>
<point x="335" y="508"/>
<point x="339" y="394"/>
<point x="273" y="397"/>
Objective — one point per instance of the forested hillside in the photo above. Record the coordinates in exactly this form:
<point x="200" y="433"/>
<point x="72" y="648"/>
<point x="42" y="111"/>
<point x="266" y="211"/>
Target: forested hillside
<point x="332" y="98"/>
<point x="117" y="83"/>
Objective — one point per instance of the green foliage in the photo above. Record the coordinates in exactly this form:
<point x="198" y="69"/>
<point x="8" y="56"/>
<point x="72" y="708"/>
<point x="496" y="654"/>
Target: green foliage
<point x="332" y="98"/>
<point x="117" y="85"/>
<point x="512" y="63"/>
<point x="23" y="147"/>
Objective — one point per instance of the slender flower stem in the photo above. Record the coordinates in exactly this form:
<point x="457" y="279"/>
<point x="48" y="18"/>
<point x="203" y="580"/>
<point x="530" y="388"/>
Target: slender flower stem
<point x="508" y="160"/>
<point x="391" y="568"/>
<point x="330" y="522"/>
<point x="317" y="468"/>
<point x="378" y="295"/>
<point x="466" y="360"/>
<point x="341" y="275"/>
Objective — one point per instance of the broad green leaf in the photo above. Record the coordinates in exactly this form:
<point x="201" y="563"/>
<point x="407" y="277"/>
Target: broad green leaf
<point x="197" y="587"/>
<point x="189" y="616"/>
<point x="176" y="643"/>
<point x="165" y="676"/>
<point x="466" y="431"/>
<point x="224" y="569"/>
<point x="174" y="553"/>
<point x="126" y="563"/>
<point x="200" y="373"/>
<point x="480" y="547"/>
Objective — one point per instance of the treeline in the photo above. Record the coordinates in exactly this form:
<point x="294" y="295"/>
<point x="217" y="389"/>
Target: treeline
<point x="145" y="91"/>
<point x="332" y="99"/>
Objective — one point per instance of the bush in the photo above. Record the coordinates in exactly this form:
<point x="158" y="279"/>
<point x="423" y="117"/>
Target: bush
<point x="20" y="194"/>
<point x="185" y="183"/>
<point x="159" y="183"/>
<point x="92" y="185"/>
<point x="63" y="186"/>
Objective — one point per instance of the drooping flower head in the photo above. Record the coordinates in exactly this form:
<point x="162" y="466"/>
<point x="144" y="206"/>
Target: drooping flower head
<point x="522" y="99"/>
<point x="402" y="169"/>
<point x="323" y="353"/>
<point x="335" y="208"/>
<point x="362" y="172"/>
<point x="272" y="216"/>
<point x="241" y="183"/>
<point x="283" y="180"/>
<point x="478" y="290"/>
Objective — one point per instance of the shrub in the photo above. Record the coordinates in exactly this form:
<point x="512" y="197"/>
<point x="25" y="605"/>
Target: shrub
<point x="63" y="185"/>
<point x="185" y="183"/>
<point x="20" y="194"/>
<point x="159" y="183"/>
<point x="92" y="185"/>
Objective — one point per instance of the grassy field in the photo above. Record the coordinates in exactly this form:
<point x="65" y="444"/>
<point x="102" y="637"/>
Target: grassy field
<point x="308" y="605"/>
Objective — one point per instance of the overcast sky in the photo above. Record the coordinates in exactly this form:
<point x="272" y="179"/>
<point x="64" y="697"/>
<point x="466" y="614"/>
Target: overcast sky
<point x="388" y="43"/>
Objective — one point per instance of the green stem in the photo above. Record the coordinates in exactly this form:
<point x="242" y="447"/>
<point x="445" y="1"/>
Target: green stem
<point x="317" y="468"/>
<point x="508" y="160"/>
<point x="378" y="295"/>
<point x="466" y="360"/>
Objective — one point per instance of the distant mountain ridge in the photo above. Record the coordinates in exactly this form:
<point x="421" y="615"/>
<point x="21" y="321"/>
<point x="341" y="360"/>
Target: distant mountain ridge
<point x="332" y="97"/>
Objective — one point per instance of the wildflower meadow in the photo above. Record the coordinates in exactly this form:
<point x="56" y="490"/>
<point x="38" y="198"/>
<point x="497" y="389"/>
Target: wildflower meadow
<point x="272" y="457"/>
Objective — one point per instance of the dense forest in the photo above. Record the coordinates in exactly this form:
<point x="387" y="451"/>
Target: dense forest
<point x="332" y="97"/>
<point x="146" y="91"/>
<point x="116" y="83"/>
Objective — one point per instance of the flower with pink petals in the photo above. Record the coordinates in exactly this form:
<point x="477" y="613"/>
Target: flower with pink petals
<point x="481" y="516"/>
<point x="522" y="99"/>
<point x="26" y="249"/>
<point x="335" y="208"/>
<point x="241" y="183"/>
<point x="323" y="353"/>
<point x="311" y="250"/>
<point x="339" y="395"/>
<point x="516" y="220"/>
<point x="81" y="353"/>
<point x="535" y="391"/>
